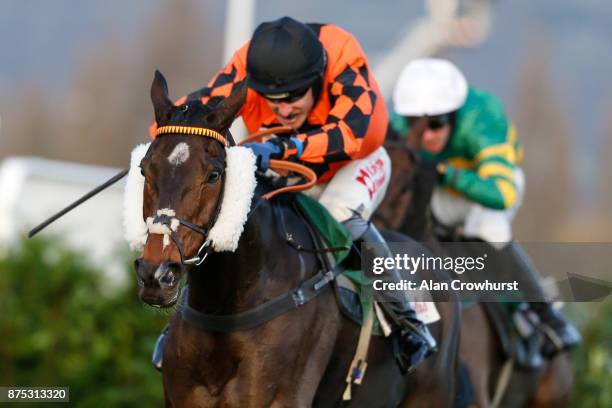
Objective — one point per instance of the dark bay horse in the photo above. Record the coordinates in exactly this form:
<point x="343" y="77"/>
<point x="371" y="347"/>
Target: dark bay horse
<point x="495" y="382"/>
<point x="297" y="359"/>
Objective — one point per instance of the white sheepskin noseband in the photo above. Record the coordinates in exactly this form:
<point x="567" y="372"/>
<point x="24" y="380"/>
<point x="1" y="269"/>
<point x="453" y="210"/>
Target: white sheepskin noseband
<point x="133" y="221"/>
<point x="240" y="183"/>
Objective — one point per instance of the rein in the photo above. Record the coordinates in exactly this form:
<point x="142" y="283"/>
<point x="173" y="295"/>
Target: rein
<point x="306" y="290"/>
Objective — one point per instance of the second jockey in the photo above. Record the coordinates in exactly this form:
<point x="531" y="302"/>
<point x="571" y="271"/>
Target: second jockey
<point x="480" y="181"/>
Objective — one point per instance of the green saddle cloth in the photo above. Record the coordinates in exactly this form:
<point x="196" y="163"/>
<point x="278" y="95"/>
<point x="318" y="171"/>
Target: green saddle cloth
<point x="336" y="235"/>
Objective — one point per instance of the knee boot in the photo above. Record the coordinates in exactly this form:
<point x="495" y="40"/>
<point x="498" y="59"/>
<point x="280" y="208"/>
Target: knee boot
<point x="559" y="333"/>
<point x="416" y="342"/>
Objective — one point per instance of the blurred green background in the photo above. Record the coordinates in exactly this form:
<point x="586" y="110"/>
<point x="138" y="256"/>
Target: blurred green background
<point x="61" y="325"/>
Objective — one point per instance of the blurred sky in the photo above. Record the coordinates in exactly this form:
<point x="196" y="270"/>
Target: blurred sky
<point x="40" y="42"/>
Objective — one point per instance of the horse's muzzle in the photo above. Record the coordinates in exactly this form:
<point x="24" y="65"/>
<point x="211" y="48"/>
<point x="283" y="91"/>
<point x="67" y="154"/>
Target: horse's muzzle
<point x="158" y="284"/>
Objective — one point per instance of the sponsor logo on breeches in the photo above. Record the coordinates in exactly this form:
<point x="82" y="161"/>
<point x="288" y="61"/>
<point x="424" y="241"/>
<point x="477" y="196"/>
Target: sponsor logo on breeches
<point x="372" y="176"/>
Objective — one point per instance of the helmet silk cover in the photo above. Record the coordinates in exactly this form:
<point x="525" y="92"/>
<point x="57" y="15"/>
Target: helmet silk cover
<point x="429" y="87"/>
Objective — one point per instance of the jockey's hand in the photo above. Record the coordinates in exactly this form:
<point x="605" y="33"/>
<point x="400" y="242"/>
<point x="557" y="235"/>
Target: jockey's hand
<point x="436" y="171"/>
<point x="276" y="148"/>
<point x="264" y="152"/>
<point x="291" y="147"/>
<point x="445" y="172"/>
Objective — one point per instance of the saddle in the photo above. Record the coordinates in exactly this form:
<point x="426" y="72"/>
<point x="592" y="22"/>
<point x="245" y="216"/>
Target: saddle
<point x="328" y="233"/>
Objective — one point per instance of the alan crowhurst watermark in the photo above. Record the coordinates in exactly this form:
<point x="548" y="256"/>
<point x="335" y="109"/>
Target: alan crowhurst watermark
<point x="480" y="271"/>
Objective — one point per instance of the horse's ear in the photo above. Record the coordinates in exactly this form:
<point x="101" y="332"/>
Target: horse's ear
<point x="159" y="96"/>
<point x="223" y="115"/>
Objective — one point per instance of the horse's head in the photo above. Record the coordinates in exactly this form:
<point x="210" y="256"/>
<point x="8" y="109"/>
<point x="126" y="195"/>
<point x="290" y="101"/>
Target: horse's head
<point x="184" y="178"/>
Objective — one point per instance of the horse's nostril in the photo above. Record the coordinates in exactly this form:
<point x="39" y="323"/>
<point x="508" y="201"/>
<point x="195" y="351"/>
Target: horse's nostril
<point x="168" y="278"/>
<point x="171" y="271"/>
<point x="137" y="263"/>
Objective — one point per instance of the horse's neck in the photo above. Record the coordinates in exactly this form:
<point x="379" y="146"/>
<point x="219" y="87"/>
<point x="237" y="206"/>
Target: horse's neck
<point x="231" y="282"/>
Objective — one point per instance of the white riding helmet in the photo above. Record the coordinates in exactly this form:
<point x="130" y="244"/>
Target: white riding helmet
<point x="429" y="86"/>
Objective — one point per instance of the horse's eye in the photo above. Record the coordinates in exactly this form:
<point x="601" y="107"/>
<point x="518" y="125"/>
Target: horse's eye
<point x="213" y="176"/>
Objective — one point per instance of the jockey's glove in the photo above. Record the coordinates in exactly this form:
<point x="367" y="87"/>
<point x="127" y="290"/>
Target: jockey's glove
<point x="282" y="148"/>
<point x="446" y="174"/>
<point x="264" y="152"/>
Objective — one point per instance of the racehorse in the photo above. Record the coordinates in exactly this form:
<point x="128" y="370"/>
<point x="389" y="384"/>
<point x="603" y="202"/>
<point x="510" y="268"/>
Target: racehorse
<point x="494" y="380"/>
<point x="300" y="356"/>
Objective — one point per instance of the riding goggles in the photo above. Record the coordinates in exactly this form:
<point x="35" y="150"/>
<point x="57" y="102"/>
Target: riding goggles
<point x="287" y="97"/>
<point x="433" y="122"/>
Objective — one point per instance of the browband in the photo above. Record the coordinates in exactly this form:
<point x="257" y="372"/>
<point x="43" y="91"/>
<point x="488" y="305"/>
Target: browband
<point x="191" y="130"/>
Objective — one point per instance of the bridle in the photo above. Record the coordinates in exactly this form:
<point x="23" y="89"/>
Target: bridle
<point x="304" y="292"/>
<point x="167" y="222"/>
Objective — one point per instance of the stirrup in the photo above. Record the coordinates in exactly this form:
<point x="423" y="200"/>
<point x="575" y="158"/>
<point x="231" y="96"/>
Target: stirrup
<point x="158" y="351"/>
<point x="555" y="342"/>
<point x="408" y="354"/>
<point x="420" y="331"/>
<point x="406" y="322"/>
<point x="558" y="332"/>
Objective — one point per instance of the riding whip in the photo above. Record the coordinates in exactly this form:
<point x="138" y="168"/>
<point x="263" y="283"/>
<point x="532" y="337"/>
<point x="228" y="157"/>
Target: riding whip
<point x="123" y="173"/>
<point x="78" y="202"/>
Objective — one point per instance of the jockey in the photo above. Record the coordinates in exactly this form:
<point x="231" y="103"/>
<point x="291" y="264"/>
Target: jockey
<point x="315" y="79"/>
<point x="480" y="184"/>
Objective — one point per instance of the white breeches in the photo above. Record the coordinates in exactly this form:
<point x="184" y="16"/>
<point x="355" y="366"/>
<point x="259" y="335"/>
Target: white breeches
<point x="358" y="188"/>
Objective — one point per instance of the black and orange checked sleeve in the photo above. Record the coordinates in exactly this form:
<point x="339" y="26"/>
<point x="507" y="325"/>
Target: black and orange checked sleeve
<point x="222" y="85"/>
<point x="352" y="104"/>
<point x="219" y="87"/>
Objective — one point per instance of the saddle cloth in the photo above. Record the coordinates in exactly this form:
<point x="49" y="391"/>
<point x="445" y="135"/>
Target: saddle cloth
<point x="348" y="284"/>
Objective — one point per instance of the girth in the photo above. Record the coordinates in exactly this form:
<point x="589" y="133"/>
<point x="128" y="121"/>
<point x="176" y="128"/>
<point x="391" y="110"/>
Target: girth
<point x="302" y="294"/>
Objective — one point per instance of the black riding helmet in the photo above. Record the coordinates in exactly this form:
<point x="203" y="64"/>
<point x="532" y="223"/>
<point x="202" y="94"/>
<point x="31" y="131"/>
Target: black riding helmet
<point x="284" y="55"/>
